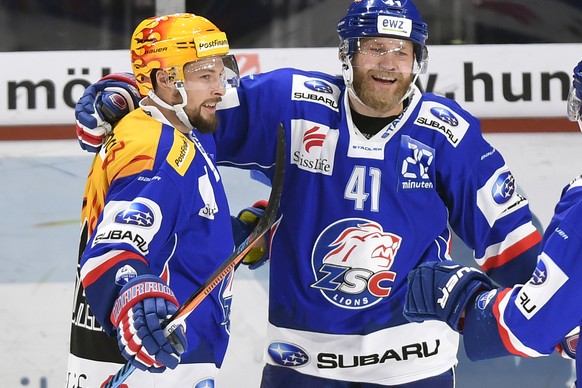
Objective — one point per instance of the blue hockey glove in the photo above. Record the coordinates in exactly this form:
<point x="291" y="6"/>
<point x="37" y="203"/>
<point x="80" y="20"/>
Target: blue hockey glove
<point x="567" y="347"/>
<point x="441" y="290"/>
<point x="242" y="226"/>
<point x="143" y="304"/>
<point x="102" y="105"/>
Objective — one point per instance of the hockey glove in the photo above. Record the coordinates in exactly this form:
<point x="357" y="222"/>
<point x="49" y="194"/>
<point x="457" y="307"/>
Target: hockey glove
<point x="441" y="290"/>
<point x="102" y="105"/>
<point x="242" y="226"/>
<point x="567" y="347"/>
<point x="143" y="304"/>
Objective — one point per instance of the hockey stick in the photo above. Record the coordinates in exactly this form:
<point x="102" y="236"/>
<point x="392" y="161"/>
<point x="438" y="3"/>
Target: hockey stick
<point x="228" y="265"/>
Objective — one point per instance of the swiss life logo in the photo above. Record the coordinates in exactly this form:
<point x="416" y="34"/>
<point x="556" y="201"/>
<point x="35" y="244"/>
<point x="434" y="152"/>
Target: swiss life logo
<point x="313" y="146"/>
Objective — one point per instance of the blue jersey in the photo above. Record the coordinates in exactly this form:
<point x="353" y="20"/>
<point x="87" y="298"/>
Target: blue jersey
<point x="155" y="204"/>
<point x="358" y="214"/>
<point x="549" y="302"/>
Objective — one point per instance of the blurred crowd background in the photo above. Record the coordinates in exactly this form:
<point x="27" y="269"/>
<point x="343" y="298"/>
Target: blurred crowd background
<point x="40" y="25"/>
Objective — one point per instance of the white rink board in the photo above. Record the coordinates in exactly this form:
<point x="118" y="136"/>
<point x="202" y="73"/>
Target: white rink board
<point x="467" y="73"/>
<point x="40" y="200"/>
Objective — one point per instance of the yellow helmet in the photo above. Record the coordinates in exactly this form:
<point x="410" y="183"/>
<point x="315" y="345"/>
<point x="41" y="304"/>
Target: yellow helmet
<point x="169" y="42"/>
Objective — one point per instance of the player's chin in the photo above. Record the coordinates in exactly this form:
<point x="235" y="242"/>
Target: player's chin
<point x="205" y="123"/>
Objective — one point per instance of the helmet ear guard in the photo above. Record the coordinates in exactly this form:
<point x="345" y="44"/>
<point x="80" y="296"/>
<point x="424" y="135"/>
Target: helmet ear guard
<point x="347" y="70"/>
<point x="423" y="60"/>
<point x="574" y="104"/>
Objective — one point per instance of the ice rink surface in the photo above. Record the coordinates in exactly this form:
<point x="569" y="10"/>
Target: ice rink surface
<point x="40" y="200"/>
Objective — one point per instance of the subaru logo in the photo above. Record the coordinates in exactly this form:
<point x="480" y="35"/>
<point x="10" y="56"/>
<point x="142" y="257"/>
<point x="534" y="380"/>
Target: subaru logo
<point x="445" y="115"/>
<point x="503" y="188"/>
<point x="287" y="354"/>
<point x="136" y="214"/>
<point x="205" y="383"/>
<point x="318" y="86"/>
<point x="540" y="274"/>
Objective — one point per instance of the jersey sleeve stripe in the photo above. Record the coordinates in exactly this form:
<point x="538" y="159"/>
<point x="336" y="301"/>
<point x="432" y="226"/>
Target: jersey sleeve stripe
<point x="510" y="341"/>
<point x="95" y="267"/>
<point x="517" y="242"/>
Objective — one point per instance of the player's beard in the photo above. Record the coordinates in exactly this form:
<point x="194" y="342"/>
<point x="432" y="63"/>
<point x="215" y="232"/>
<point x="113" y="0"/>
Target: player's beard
<point x="203" y="124"/>
<point x="376" y="99"/>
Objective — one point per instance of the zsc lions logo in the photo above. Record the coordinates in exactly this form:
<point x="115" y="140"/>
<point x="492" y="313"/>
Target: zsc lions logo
<point x="484" y="299"/>
<point x="318" y="86"/>
<point x="351" y="262"/>
<point x="445" y="115"/>
<point x="136" y="214"/>
<point x="287" y="354"/>
<point x="503" y="188"/>
<point x="124" y="275"/>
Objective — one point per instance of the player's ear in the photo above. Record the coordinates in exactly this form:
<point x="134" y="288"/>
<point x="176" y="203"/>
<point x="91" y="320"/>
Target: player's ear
<point x="162" y="77"/>
<point x="161" y="80"/>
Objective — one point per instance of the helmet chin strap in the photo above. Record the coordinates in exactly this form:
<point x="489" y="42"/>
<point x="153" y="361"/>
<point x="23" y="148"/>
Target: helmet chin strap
<point x="348" y="74"/>
<point x="178" y="108"/>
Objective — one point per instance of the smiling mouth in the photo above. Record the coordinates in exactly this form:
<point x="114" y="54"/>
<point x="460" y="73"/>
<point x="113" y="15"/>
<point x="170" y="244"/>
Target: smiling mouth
<point x="385" y="79"/>
<point x="211" y="104"/>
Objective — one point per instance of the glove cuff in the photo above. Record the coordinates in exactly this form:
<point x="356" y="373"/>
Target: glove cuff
<point x="474" y="288"/>
<point x="261" y="204"/>
<point x="567" y="347"/>
<point x="252" y="213"/>
<point x="138" y="289"/>
<point x="123" y="77"/>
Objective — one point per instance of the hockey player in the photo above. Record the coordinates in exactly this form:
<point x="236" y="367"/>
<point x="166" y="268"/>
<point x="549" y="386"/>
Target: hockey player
<point x="377" y="172"/>
<point x="155" y="219"/>
<point x="503" y="322"/>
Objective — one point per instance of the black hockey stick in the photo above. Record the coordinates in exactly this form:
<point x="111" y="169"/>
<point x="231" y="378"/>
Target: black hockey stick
<point x="229" y="264"/>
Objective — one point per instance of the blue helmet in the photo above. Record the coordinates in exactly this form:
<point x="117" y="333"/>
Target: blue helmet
<point x="392" y="18"/>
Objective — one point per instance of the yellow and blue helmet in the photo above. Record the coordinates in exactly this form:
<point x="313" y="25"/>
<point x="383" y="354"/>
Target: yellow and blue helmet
<point x="171" y="42"/>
